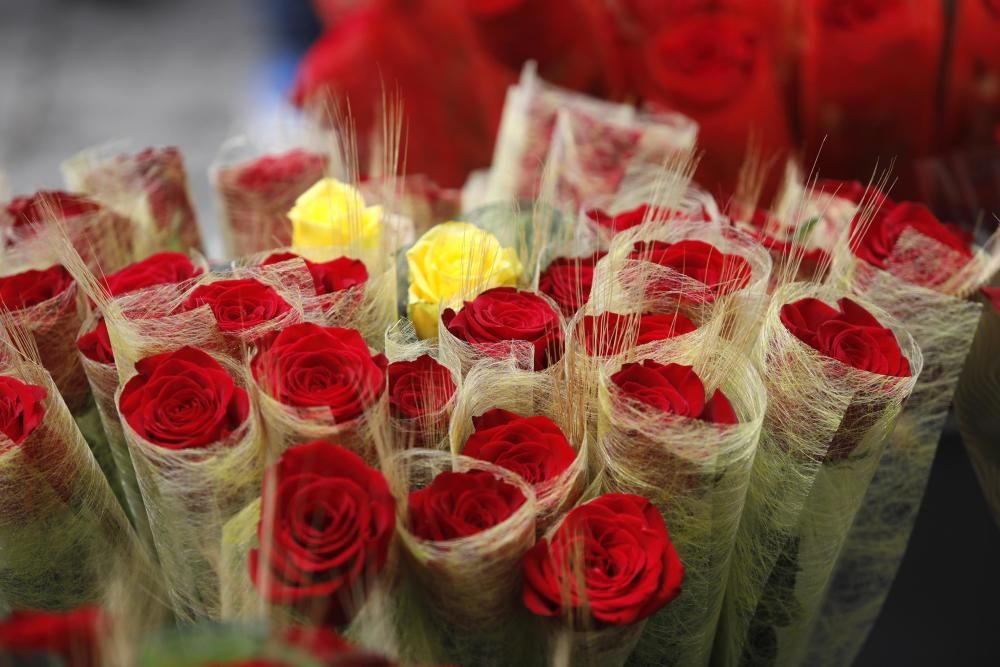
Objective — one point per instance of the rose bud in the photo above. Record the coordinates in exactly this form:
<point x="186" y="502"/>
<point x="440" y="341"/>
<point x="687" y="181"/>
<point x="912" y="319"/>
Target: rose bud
<point x="618" y="548"/>
<point x="73" y="636"/>
<point x="851" y="335"/>
<point x="258" y="194"/>
<point x="44" y="303"/>
<point x="499" y="318"/>
<point x="567" y="281"/>
<point x="420" y="396"/>
<point x="461" y="504"/>
<point x="610" y="334"/>
<point x="327" y="521"/>
<point x="672" y="389"/>
<point x="328" y="277"/>
<point x="719" y="272"/>
<point x="243" y="308"/>
<point x="182" y="400"/>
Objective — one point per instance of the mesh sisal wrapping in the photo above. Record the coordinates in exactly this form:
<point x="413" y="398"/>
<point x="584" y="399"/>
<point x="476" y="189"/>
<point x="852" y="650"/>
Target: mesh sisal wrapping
<point x="977" y="404"/>
<point x="62" y="532"/>
<point x="802" y="495"/>
<point x="943" y="326"/>
<point x="696" y="473"/>
<point x="465" y="591"/>
<point x="526" y="393"/>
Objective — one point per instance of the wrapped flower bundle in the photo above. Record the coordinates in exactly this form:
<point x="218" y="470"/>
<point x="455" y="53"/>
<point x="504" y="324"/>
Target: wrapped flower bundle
<point x="610" y="426"/>
<point x="149" y="187"/>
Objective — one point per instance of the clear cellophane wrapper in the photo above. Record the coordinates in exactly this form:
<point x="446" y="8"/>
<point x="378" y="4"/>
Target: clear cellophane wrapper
<point x="943" y="326"/>
<point x="695" y="472"/>
<point x="254" y="216"/>
<point x="460" y="598"/>
<point x="149" y="187"/>
<point x="430" y="430"/>
<point x="501" y="384"/>
<point x="369" y="308"/>
<point x="62" y="529"/>
<point x="824" y="431"/>
<point x="977" y="405"/>
<point x="528" y="132"/>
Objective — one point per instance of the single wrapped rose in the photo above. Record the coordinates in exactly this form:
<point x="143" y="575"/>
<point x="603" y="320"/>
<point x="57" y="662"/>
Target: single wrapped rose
<point x="701" y="262"/>
<point x="887" y="241"/>
<point x="716" y="67"/>
<point x="609" y="564"/>
<point x="567" y="281"/>
<point x="160" y="268"/>
<point x="672" y="389"/>
<point x="72" y="636"/>
<point x="326" y="523"/>
<point x="334" y="214"/>
<point x="244" y="308"/>
<point x="814" y="462"/>
<point x="504" y="322"/>
<point x="320" y="382"/>
<point x="610" y="334"/>
<point x="420" y="398"/>
<point x="44" y="303"/>
<point x="196" y="448"/>
<point x="792" y="249"/>
<point x="335" y="275"/>
<point x="461" y="504"/>
<point x="149" y="186"/>
<point x="257" y="194"/>
<point x="103" y="238"/>
<point x="449" y="262"/>
<point x="861" y="62"/>
<point x="63" y="530"/>
<point x="533" y="447"/>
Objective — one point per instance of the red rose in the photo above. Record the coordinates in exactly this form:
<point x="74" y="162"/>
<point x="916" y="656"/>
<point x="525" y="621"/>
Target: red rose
<point x="35" y="209"/>
<point x="162" y="268"/>
<point x="567" y="280"/>
<point x="862" y="61"/>
<point x="717" y="69"/>
<point x="281" y="175"/>
<point x="21" y="408"/>
<point x="451" y="90"/>
<point x="182" y="400"/>
<point x="617" y="546"/>
<point x="506" y="315"/>
<point x="96" y="345"/>
<point x="719" y="272"/>
<point x="419" y="387"/>
<point x="74" y="636"/>
<point x="307" y="365"/>
<point x="328" y="277"/>
<point x="460" y="504"/>
<point x="617" y="222"/>
<point x="811" y="262"/>
<point x="238" y="304"/>
<point x="533" y="447"/>
<point x="30" y="288"/>
<point x="328" y="527"/>
<point x="851" y="335"/>
<point x="875" y="245"/>
<point x="608" y="334"/>
<point x="672" y="389"/>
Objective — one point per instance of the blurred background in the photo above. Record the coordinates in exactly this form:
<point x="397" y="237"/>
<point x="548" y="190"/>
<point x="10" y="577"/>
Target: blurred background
<point x="76" y="73"/>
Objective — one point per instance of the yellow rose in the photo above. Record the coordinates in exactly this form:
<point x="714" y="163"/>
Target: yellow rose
<point x="454" y="260"/>
<point x="331" y="213"/>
